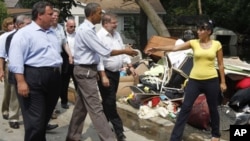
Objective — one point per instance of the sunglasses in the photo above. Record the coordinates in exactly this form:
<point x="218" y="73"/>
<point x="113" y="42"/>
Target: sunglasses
<point x="72" y="26"/>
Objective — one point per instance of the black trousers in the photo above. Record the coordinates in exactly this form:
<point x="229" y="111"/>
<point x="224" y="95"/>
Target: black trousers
<point x="66" y="73"/>
<point x="44" y="85"/>
<point x="108" y="95"/>
<point x="211" y="88"/>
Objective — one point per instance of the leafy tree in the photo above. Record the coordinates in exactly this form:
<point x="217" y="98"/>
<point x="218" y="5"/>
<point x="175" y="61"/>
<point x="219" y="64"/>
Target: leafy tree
<point x="229" y="14"/>
<point x="3" y="12"/>
<point x="63" y="5"/>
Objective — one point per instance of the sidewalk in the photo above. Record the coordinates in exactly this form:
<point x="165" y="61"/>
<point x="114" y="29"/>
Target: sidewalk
<point x="153" y="129"/>
<point x="58" y="134"/>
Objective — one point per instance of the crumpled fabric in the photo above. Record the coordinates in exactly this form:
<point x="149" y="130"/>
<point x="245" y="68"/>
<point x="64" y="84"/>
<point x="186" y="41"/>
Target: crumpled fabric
<point x="145" y="112"/>
<point x="155" y="71"/>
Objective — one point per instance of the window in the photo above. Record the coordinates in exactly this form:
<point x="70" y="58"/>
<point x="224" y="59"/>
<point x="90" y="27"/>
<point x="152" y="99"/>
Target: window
<point x="128" y="23"/>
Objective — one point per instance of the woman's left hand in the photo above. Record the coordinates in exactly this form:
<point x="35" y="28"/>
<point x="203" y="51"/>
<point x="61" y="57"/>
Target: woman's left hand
<point x="223" y="87"/>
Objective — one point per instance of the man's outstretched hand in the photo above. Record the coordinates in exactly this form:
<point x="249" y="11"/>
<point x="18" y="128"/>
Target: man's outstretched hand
<point x="130" y="51"/>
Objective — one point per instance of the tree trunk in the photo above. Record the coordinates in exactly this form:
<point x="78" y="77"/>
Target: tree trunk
<point x="153" y="17"/>
<point x="199" y="7"/>
<point x="143" y="29"/>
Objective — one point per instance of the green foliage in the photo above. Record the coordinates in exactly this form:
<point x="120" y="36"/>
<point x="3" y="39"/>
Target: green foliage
<point x="63" y="5"/>
<point x="229" y="14"/>
<point x="3" y="12"/>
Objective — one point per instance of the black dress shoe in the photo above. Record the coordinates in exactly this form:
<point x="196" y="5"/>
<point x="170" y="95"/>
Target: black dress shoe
<point x="51" y="126"/>
<point x="14" y="125"/>
<point x="65" y="106"/>
<point x="121" y="137"/>
<point x="5" y="116"/>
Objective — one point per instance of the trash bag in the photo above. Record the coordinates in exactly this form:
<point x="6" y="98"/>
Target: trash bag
<point x="153" y="82"/>
<point x="240" y="99"/>
<point x="227" y="117"/>
<point x="242" y="118"/>
<point x="199" y="115"/>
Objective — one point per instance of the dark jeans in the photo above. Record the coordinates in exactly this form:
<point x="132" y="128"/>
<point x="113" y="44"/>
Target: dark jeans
<point x="108" y="95"/>
<point x="211" y="88"/>
<point x="44" y="86"/>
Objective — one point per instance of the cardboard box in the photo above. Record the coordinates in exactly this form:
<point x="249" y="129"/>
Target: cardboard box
<point x="123" y="88"/>
<point x="126" y="81"/>
<point x="156" y="41"/>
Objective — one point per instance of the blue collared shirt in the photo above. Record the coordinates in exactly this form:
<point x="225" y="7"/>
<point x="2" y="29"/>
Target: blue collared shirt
<point x="34" y="46"/>
<point x="88" y="45"/>
<point x="60" y="34"/>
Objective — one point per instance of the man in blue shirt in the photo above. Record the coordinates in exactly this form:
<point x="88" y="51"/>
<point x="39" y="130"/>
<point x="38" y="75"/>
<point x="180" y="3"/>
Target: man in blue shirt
<point x="34" y="58"/>
<point x="87" y="49"/>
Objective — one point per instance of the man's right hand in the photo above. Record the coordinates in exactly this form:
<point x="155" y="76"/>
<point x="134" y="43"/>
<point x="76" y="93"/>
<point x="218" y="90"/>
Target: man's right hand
<point x="130" y="51"/>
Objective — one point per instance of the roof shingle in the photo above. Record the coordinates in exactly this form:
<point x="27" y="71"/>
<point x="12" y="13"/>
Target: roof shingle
<point x="11" y="3"/>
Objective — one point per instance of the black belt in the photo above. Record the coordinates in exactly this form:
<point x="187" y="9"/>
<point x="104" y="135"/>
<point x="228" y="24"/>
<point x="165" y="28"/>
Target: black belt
<point x="112" y="71"/>
<point x="87" y="65"/>
<point x="54" y="69"/>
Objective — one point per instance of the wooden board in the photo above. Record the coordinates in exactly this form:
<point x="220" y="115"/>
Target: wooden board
<point x="156" y="41"/>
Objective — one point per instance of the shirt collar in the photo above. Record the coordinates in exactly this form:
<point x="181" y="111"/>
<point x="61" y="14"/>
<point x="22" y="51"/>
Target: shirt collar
<point x="72" y="34"/>
<point x="105" y="32"/>
<point x="90" y="24"/>
<point x="37" y="27"/>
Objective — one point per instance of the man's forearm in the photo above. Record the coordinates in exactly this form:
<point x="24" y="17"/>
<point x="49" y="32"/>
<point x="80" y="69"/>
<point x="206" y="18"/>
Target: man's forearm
<point x="67" y="50"/>
<point x="1" y="64"/>
<point x="117" y="52"/>
<point x="1" y="69"/>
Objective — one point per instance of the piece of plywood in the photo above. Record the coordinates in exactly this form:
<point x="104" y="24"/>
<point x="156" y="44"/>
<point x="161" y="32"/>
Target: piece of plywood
<point x="156" y="41"/>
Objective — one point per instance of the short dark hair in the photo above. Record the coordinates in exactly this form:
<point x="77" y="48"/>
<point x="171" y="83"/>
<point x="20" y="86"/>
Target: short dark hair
<point x="106" y="18"/>
<point x="90" y="8"/>
<point x="39" y="8"/>
<point x="206" y="25"/>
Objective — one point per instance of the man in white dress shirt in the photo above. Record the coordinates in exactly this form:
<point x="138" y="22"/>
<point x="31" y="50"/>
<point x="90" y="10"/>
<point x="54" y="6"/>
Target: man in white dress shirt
<point x="109" y="71"/>
<point x="68" y="68"/>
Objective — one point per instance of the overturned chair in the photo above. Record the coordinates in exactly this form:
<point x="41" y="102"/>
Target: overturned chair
<point x="174" y="78"/>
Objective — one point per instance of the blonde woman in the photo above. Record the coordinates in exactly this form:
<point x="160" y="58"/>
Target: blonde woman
<point x="8" y="24"/>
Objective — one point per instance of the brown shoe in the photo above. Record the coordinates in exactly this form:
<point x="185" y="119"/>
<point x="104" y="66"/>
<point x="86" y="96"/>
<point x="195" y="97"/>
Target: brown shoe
<point x="215" y="139"/>
<point x="54" y="116"/>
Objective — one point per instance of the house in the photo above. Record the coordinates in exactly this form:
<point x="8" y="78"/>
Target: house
<point x="228" y="39"/>
<point x="13" y="8"/>
<point x="125" y="9"/>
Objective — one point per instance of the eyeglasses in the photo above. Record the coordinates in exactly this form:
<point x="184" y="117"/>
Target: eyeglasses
<point x="72" y="26"/>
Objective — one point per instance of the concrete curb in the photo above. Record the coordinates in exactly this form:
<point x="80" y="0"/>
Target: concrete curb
<point x="158" y="128"/>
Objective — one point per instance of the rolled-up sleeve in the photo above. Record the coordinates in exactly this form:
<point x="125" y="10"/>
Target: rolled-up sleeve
<point x="95" y="44"/>
<point x="17" y="51"/>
